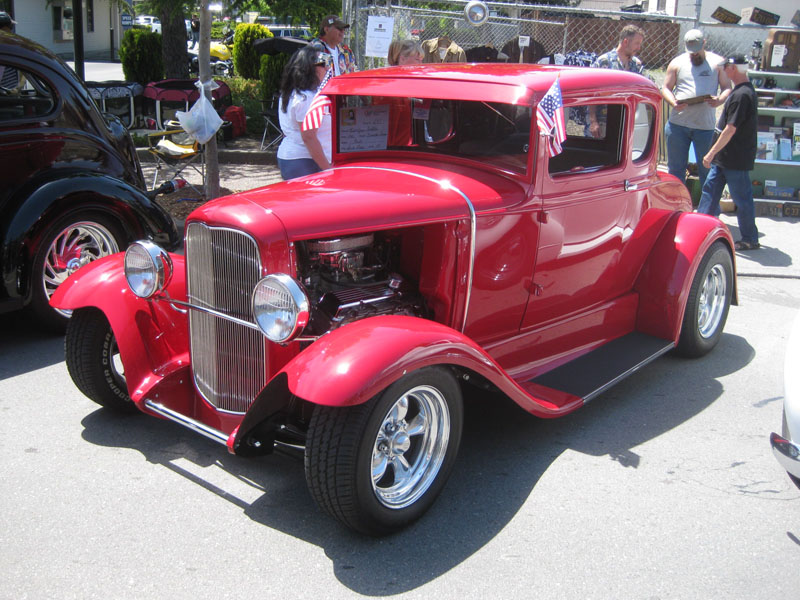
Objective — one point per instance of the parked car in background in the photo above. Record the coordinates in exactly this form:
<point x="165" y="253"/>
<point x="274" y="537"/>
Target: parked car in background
<point x="302" y="32"/>
<point x="154" y="23"/>
<point x="786" y="446"/>
<point x="72" y="186"/>
<point x="341" y="314"/>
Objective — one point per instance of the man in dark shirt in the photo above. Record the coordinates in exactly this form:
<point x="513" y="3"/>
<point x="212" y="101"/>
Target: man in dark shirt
<point x="732" y="155"/>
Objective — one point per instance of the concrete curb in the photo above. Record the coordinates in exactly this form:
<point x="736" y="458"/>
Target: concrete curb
<point x="227" y="156"/>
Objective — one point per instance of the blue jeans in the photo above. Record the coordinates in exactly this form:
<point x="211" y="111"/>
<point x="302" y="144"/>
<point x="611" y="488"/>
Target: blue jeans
<point x="679" y="139"/>
<point x="741" y="190"/>
<point x="297" y="167"/>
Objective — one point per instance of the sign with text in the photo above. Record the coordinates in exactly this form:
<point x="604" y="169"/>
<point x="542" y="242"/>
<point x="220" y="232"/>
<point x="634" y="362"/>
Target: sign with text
<point x="379" y="36"/>
<point x="364" y="128"/>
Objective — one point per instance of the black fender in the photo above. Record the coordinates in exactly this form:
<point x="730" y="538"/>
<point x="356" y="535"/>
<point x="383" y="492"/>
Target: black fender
<point x="36" y="205"/>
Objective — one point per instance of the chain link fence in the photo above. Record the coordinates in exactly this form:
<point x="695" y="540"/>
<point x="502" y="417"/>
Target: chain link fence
<point x="577" y="33"/>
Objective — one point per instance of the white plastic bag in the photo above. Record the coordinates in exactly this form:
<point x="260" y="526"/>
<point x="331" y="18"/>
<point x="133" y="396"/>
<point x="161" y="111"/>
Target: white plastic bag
<point x="201" y="122"/>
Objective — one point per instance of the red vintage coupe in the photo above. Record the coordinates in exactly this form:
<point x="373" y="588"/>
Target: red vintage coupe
<point x="342" y="314"/>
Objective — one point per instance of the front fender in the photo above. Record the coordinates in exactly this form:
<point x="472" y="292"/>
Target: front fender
<point x="666" y="277"/>
<point x="152" y="336"/>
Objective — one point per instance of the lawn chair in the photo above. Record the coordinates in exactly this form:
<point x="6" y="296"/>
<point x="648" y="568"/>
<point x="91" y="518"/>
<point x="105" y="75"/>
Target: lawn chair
<point x="271" y="123"/>
<point x="175" y="151"/>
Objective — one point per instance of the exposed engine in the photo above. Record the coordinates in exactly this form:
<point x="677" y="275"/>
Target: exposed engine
<point x="350" y="278"/>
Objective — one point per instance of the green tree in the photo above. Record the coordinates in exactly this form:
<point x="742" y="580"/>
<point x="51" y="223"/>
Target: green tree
<point x="173" y="33"/>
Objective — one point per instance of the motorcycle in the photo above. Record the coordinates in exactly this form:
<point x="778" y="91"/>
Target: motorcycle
<point x="220" y="55"/>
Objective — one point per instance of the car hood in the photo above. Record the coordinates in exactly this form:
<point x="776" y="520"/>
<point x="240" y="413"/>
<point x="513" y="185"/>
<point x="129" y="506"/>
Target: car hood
<point x="368" y="195"/>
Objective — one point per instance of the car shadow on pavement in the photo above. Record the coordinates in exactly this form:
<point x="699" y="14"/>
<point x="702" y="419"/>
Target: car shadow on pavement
<point x="25" y="347"/>
<point x="504" y="453"/>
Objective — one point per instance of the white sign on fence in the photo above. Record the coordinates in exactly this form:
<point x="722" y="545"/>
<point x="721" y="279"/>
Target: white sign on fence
<point x="379" y="36"/>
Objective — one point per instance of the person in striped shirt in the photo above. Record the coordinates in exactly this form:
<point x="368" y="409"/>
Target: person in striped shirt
<point x="10" y="79"/>
<point x="303" y="152"/>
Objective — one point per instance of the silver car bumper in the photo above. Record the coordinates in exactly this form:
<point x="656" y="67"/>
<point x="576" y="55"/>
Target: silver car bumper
<point x="787" y="453"/>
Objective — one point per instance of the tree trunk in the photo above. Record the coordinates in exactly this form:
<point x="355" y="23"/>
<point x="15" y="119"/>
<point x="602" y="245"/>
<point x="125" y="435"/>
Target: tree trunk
<point x="173" y="44"/>
<point x="203" y="56"/>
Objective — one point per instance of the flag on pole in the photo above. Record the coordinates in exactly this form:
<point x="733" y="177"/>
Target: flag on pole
<point x="550" y="118"/>
<point x="320" y="106"/>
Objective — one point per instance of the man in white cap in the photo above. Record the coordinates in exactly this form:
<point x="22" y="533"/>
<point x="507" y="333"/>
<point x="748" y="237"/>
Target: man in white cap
<point x="693" y="74"/>
<point x="331" y="36"/>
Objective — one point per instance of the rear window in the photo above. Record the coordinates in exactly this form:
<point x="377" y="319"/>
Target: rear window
<point x="489" y="132"/>
<point x="23" y="95"/>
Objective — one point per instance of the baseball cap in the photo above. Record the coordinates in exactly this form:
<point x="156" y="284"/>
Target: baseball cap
<point x="734" y="59"/>
<point x="333" y="20"/>
<point x="694" y="40"/>
<point x="6" y="20"/>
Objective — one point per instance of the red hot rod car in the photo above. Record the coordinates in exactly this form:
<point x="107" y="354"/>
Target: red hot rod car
<point x="343" y="313"/>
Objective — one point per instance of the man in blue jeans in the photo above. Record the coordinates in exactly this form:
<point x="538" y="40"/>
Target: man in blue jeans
<point x="690" y="76"/>
<point x="732" y="155"/>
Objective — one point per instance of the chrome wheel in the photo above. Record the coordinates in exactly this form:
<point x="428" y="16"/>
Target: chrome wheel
<point x="76" y="245"/>
<point x="410" y="447"/>
<point x="713" y="301"/>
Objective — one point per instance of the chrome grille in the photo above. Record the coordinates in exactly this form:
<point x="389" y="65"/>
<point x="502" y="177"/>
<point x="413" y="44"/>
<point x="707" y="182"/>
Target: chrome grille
<point x="228" y="359"/>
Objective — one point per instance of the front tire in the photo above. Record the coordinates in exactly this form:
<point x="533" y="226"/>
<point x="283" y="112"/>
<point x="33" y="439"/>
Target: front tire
<point x="379" y="466"/>
<point x="69" y="244"/>
<point x="93" y="361"/>
<point x="708" y="303"/>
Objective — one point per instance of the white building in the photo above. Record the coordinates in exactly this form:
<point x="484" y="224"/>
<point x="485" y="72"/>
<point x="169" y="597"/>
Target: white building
<point x="51" y="25"/>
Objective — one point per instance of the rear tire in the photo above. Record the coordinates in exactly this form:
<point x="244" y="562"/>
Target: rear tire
<point x="379" y="466"/>
<point x="93" y="361"/>
<point x="708" y="303"/>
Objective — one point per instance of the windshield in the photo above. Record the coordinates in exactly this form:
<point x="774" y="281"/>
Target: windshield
<point x="488" y="132"/>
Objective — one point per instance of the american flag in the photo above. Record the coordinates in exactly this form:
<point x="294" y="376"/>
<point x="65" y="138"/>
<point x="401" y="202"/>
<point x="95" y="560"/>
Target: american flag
<point x="550" y="118"/>
<point x="320" y="106"/>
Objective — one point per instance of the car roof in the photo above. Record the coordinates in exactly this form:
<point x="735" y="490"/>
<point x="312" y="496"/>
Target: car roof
<point x="496" y="82"/>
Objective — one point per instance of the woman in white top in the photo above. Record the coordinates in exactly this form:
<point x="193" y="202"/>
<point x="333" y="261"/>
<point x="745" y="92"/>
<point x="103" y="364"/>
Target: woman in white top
<point x="302" y="153"/>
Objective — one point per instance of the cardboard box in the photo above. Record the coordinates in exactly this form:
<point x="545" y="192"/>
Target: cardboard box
<point x="723" y="15"/>
<point x="781" y="51"/>
<point x="760" y="16"/>
<point x="783" y="192"/>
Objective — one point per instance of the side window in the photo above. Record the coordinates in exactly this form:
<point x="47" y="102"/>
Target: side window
<point x="23" y="95"/>
<point x="594" y="139"/>
<point x="643" y="127"/>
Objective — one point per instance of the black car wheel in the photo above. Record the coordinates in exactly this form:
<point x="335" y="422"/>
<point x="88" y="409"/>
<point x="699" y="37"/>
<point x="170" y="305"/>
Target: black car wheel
<point x="70" y="243"/>
<point x="93" y="360"/>
<point x="379" y="466"/>
<point x="708" y="303"/>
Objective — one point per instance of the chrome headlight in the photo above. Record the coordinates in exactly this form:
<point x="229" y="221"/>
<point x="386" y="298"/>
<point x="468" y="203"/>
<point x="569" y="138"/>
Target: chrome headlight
<point x="148" y="268"/>
<point x="280" y="307"/>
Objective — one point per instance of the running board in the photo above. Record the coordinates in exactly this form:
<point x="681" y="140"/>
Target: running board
<point x="595" y="372"/>
<point x="194" y="425"/>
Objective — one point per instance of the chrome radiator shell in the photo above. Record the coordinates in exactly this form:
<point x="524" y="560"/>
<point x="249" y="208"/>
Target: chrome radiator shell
<point x="223" y="266"/>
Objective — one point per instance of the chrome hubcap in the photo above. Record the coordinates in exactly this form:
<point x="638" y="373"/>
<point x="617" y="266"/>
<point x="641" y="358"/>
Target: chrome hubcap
<point x="76" y="246"/>
<point x="712" y="301"/>
<point x="410" y="447"/>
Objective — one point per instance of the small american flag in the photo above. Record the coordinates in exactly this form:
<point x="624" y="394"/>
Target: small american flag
<point x="550" y="118"/>
<point x="320" y="106"/>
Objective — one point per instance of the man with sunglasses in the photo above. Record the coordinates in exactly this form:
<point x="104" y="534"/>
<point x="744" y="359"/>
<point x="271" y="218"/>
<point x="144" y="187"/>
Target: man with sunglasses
<point x="331" y="36"/>
<point x="732" y="155"/>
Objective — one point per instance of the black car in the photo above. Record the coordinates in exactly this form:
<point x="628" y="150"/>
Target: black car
<point x="72" y="188"/>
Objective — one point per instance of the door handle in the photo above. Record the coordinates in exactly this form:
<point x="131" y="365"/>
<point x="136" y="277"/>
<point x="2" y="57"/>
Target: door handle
<point x="630" y="186"/>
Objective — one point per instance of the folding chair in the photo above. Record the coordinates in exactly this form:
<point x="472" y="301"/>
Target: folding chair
<point x="174" y="149"/>
<point x="271" y="123"/>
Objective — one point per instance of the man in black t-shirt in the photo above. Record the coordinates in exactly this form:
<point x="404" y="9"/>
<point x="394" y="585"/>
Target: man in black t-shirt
<point x="733" y="153"/>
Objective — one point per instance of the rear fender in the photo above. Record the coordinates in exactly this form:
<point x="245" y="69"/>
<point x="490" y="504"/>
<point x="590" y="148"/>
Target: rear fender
<point x="666" y="277"/>
<point x="152" y="336"/>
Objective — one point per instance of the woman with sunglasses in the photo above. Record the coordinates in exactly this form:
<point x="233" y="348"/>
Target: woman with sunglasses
<point x="303" y="153"/>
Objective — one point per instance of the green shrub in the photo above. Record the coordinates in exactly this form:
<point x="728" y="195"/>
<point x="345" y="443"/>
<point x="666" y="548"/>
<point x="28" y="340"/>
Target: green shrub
<point x="247" y="94"/>
<point x="219" y="29"/>
<point x="140" y="53"/>
<point x="245" y="60"/>
<point x="270" y="74"/>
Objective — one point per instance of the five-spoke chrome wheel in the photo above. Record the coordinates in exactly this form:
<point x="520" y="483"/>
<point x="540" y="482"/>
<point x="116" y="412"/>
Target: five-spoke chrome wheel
<point x="379" y="466"/>
<point x="410" y="447"/>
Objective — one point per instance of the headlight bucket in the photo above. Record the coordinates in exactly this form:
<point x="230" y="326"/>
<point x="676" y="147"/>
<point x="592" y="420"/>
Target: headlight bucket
<point x="148" y="268"/>
<point x="280" y="308"/>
